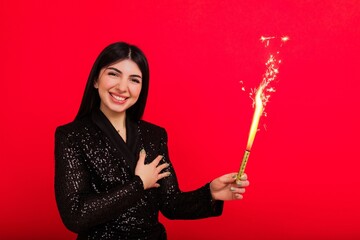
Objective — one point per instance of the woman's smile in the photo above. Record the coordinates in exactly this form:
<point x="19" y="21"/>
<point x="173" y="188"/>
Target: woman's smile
<point x="118" y="98"/>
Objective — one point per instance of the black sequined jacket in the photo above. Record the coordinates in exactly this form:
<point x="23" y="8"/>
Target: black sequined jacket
<point x="99" y="196"/>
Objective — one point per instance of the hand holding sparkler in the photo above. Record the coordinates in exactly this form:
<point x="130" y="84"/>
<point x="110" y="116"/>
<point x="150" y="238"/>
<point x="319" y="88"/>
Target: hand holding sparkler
<point x="224" y="187"/>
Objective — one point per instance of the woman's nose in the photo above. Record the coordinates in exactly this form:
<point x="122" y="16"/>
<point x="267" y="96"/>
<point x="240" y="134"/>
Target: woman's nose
<point x="122" y="85"/>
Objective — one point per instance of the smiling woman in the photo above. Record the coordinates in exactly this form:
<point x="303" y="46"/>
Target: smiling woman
<point x="119" y="87"/>
<point x="112" y="172"/>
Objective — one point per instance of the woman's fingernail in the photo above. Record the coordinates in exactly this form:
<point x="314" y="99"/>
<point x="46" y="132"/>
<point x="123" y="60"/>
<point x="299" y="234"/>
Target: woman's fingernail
<point x="239" y="196"/>
<point x="232" y="189"/>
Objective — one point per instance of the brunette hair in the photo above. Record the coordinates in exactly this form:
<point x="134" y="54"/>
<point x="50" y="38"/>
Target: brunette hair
<point x="113" y="53"/>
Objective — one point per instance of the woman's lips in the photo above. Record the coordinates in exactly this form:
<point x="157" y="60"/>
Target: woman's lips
<point x="117" y="98"/>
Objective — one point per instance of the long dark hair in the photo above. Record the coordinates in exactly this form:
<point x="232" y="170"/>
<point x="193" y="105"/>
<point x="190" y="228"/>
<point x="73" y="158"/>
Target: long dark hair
<point x="113" y="53"/>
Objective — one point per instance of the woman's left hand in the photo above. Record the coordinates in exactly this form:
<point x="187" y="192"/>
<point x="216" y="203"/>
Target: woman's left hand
<point x="227" y="188"/>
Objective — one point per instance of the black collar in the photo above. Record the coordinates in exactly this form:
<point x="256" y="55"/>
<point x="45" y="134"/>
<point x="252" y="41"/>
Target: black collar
<point x="128" y="150"/>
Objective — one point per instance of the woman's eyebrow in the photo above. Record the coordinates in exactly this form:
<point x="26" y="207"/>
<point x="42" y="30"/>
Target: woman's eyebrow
<point x="115" y="69"/>
<point x="135" y="75"/>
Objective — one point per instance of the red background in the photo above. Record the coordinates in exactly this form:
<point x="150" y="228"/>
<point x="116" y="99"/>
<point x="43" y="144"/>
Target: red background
<point x="303" y="169"/>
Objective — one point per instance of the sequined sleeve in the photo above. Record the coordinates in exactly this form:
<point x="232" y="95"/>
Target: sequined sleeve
<point x="79" y="206"/>
<point x="185" y="205"/>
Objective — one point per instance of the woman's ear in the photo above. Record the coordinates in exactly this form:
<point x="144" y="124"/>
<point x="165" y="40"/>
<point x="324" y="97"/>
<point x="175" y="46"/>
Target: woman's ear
<point x="96" y="85"/>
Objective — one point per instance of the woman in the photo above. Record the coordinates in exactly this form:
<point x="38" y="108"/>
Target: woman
<point x="112" y="170"/>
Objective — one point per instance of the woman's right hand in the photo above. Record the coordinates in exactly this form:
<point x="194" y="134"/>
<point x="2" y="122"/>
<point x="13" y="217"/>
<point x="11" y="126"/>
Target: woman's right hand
<point x="152" y="172"/>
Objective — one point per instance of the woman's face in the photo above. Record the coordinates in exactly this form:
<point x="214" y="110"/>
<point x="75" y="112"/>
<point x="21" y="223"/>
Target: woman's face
<point x="119" y="86"/>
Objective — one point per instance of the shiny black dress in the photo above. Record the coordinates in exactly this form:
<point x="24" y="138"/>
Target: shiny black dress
<point x="97" y="192"/>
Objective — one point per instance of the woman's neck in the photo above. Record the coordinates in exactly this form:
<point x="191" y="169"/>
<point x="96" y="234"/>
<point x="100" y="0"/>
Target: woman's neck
<point x="118" y="120"/>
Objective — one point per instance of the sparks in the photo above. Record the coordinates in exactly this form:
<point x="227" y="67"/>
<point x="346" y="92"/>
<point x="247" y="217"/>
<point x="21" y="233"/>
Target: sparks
<point x="285" y="38"/>
<point x="262" y="93"/>
<point x="259" y="107"/>
<point x="267" y="39"/>
<point x="262" y="96"/>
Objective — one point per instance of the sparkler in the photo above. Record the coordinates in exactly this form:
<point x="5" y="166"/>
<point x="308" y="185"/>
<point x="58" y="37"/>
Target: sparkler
<point x="262" y="95"/>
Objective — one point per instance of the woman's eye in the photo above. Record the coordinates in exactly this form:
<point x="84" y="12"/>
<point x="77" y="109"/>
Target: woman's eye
<point x="135" y="80"/>
<point x="112" y="74"/>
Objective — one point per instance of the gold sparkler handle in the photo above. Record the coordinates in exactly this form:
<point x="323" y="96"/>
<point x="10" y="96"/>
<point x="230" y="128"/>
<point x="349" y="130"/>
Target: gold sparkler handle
<point x="243" y="165"/>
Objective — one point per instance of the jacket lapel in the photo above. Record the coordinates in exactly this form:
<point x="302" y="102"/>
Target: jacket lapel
<point x="127" y="150"/>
